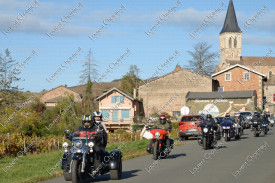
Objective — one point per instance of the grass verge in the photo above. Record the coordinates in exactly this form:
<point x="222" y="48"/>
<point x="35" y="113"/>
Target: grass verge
<point x="38" y="167"/>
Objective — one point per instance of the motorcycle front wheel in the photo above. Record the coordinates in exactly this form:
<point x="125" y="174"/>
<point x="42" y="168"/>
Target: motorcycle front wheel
<point x="156" y="151"/>
<point x="205" y="145"/>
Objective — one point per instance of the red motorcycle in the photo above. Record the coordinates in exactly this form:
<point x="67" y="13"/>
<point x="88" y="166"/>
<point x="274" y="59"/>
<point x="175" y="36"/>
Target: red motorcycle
<point x="160" y="144"/>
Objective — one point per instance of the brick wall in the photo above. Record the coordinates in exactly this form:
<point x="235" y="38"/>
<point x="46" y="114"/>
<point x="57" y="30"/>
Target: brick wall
<point x="237" y="82"/>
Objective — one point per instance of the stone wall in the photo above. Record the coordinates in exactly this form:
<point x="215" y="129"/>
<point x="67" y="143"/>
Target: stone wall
<point x="167" y="93"/>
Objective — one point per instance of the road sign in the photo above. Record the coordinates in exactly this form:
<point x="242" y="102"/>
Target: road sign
<point x="185" y="110"/>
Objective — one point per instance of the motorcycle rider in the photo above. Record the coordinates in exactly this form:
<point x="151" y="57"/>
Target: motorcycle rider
<point x="89" y="127"/>
<point x="238" y="120"/>
<point x="97" y="120"/>
<point x="209" y="121"/>
<point x="227" y="121"/>
<point x="165" y="124"/>
<point x="265" y="117"/>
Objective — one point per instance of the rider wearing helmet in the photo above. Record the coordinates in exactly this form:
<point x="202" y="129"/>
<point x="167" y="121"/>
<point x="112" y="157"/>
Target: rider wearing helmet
<point x="163" y="123"/>
<point x="227" y="121"/>
<point x="97" y="120"/>
<point x="89" y="128"/>
<point x="208" y="121"/>
<point x="256" y="117"/>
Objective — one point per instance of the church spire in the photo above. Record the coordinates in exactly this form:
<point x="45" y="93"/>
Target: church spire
<point x="230" y="23"/>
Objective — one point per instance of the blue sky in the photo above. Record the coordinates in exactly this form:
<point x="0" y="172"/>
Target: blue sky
<point x="131" y="19"/>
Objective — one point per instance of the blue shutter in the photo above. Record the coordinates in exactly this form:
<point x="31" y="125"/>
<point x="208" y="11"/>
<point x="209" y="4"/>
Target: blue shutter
<point x="121" y="99"/>
<point x="113" y="99"/>
<point x="115" y="116"/>
<point x="105" y="114"/>
<point x="125" y="114"/>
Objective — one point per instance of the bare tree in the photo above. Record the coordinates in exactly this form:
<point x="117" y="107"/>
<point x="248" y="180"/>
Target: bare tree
<point x="203" y="61"/>
<point x="89" y="73"/>
<point x="8" y="72"/>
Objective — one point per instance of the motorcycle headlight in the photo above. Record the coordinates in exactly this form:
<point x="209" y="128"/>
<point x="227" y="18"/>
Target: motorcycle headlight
<point x="65" y="144"/>
<point x="255" y="122"/>
<point x="157" y="135"/>
<point x="91" y="144"/>
<point x="205" y="130"/>
<point x="78" y="144"/>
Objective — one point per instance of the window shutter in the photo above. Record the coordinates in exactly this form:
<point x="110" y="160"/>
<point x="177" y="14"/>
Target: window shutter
<point x="273" y="97"/>
<point x="121" y="99"/>
<point x="125" y="114"/>
<point x="113" y="99"/>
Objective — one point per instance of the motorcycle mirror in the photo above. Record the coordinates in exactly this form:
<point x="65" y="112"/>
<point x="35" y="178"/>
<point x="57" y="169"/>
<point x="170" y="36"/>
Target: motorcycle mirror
<point x="66" y="131"/>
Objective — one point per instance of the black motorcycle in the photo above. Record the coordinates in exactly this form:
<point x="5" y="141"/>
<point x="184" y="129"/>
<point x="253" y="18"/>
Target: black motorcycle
<point x="79" y="159"/>
<point x="208" y="137"/>
<point x="265" y="127"/>
<point x="256" y="127"/>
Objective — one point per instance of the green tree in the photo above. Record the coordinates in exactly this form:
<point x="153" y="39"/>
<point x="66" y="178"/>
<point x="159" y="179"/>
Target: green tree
<point x="203" y="61"/>
<point x="131" y="80"/>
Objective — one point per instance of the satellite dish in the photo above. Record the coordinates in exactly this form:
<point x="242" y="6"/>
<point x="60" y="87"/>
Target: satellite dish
<point x="185" y="110"/>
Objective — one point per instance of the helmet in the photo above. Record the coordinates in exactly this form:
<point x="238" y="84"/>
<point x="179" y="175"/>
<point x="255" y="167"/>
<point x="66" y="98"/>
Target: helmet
<point x="208" y="116"/>
<point x="87" y="118"/>
<point x="227" y="115"/>
<point x="162" y="119"/>
<point x="237" y="114"/>
<point x="97" y="114"/>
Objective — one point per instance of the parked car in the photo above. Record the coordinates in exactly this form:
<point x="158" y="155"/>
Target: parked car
<point x="188" y="127"/>
<point x="271" y="119"/>
<point x="247" y="116"/>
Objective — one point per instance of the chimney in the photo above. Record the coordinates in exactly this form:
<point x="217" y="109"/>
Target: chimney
<point x="177" y="67"/>
<point x="135" y="93"/>
<point x="216" y="69"/>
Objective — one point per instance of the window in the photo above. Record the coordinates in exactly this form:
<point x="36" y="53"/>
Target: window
<point x="105" y="114"/>
<point x="117" y="99"/>
<point x="220" y="88"/>
<point x="230" y="42"/>
<point x="228" y="77"/>
<point x="125" y="114"/>
<point x="176" y="113"/>
<point x="246" y="77"/>
<point x="270" y="74"/>
<point x="235" y="42"/>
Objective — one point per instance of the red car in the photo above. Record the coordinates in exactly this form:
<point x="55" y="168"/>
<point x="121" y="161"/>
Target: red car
<point x="188" y="127"/>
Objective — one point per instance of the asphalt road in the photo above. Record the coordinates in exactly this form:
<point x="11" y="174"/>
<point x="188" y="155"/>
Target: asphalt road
<point x="248" y="160"/>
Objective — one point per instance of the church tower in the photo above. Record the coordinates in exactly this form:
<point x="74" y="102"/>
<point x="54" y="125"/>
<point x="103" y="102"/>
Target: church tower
<point x="230" y="38"/>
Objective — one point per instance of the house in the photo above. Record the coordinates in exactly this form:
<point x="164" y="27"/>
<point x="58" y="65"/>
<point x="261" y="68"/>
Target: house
<point x="241" y="78"/>
<point x="51" y="97"/>
<point x="167" y="93"/>
<point x="220" y="102"/>
<point x="119" y="108"/>
<point x="269" y="91"/>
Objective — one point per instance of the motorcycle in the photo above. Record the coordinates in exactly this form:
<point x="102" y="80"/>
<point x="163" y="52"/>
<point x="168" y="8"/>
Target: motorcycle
<point x="227" y="132"/>
<point x="265" y="127"/>
<point x="78" y="159"/>
<point x="256" y="127"/>
<point x="208" y="137"/>
<point x="160" y="143"/>
<point x="237" y="130"/>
